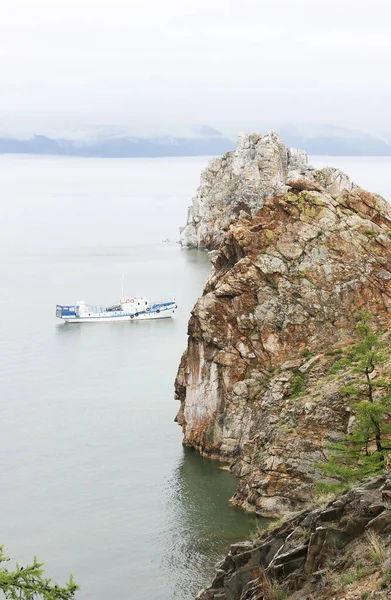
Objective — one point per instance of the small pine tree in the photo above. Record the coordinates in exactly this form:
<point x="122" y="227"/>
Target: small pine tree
<point x="29" y="583"/>
<point x="362" y="453"/>
<point x="298" y="386"/>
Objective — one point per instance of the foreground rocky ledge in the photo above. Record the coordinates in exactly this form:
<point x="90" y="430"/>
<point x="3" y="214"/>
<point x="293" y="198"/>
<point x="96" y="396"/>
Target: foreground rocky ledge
<point x="340" y="551"/>
<point x="281" y="299"/>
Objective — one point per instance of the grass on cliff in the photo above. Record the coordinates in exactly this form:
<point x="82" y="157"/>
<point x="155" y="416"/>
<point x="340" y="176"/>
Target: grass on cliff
<point x="357" y="570"/>
<point x="376" y="549"/>
<point x="271" y="589"/>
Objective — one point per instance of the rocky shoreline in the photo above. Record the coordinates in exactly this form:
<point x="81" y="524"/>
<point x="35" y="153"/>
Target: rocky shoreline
<point x="338" y="551"/>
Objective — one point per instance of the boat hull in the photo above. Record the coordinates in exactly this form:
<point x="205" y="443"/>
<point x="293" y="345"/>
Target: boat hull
<point x="107" y="318"/>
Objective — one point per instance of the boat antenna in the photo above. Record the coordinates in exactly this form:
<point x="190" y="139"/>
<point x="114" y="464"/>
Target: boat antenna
<point x="122" y="287"/>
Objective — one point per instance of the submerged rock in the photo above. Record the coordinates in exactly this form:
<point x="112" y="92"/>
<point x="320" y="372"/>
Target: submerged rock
<point x="285" y="287"/>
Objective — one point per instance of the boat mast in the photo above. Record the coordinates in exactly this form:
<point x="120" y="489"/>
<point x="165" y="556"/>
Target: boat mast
<point x="122" y="287"/>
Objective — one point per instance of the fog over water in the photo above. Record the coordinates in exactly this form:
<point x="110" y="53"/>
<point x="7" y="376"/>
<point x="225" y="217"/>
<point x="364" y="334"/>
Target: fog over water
<point x="94" y="478"/>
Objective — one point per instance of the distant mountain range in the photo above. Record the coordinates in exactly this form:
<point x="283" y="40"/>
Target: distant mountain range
<point x="335" y="141"/>
<point x="206" y="141"/>
<point x="118" y="147"/>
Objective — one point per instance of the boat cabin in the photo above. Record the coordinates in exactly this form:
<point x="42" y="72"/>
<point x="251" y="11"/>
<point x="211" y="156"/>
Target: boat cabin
<point x="135" y="305"/>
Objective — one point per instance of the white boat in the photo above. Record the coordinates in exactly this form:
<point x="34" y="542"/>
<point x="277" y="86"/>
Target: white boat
<point x="130" y="309"/>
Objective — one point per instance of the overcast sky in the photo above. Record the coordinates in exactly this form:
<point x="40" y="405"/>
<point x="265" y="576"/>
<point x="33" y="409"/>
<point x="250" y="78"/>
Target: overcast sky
<point x="227" y="63"/>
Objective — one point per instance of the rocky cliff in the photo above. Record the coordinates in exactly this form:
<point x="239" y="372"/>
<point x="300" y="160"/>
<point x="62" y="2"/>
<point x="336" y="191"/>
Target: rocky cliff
<point x="278" y="307"/>
<point x="340" y="551"/>
<point x="243" y="179"/>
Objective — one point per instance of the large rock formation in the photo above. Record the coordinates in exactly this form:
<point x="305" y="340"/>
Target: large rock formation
<point x="337" y="552"/>
<point x="241" y="180"/>
<point x="282" y="296"/>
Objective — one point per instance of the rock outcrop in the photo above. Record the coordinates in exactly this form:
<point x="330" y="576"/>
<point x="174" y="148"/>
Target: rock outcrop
<point x="286" y="284"/>
<point x="335" y="552"/>
<point x="240" y="180"/>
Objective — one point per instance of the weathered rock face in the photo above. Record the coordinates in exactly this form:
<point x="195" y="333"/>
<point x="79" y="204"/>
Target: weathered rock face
<point x="240" y="180"/>
<point x="338" y="551"/>
<point x="285" y="288"/>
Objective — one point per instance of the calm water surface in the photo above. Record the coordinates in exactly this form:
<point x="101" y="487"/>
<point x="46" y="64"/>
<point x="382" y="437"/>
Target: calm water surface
<point x="94" y="478"/>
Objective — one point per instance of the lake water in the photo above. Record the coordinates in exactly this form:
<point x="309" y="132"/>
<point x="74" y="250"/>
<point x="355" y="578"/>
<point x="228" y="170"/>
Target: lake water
<point x="94" y="478"/>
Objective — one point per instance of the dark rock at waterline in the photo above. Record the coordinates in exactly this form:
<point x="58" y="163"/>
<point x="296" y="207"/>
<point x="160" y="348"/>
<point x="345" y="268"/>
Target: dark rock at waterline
<point x="313" y="554"/>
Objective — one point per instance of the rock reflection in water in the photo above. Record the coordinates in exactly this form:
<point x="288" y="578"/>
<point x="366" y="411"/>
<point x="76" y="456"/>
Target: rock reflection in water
<point x="203" y="523"/>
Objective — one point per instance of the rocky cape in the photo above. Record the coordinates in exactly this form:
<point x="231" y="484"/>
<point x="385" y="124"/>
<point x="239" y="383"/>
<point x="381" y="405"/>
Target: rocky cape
<point x="340" y="551"/>
<point x="280" y="303"/>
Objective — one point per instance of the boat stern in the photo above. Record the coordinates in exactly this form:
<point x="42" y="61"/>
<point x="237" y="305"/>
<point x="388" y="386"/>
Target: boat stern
<point x="65" y="312"/>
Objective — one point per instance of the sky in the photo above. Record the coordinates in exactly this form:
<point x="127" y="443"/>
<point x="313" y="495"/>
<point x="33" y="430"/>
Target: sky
<point x="163" y="64"/>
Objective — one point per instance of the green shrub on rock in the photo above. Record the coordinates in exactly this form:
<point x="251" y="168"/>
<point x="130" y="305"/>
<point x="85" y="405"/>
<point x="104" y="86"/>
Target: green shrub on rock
<point x="298" y="386"/>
